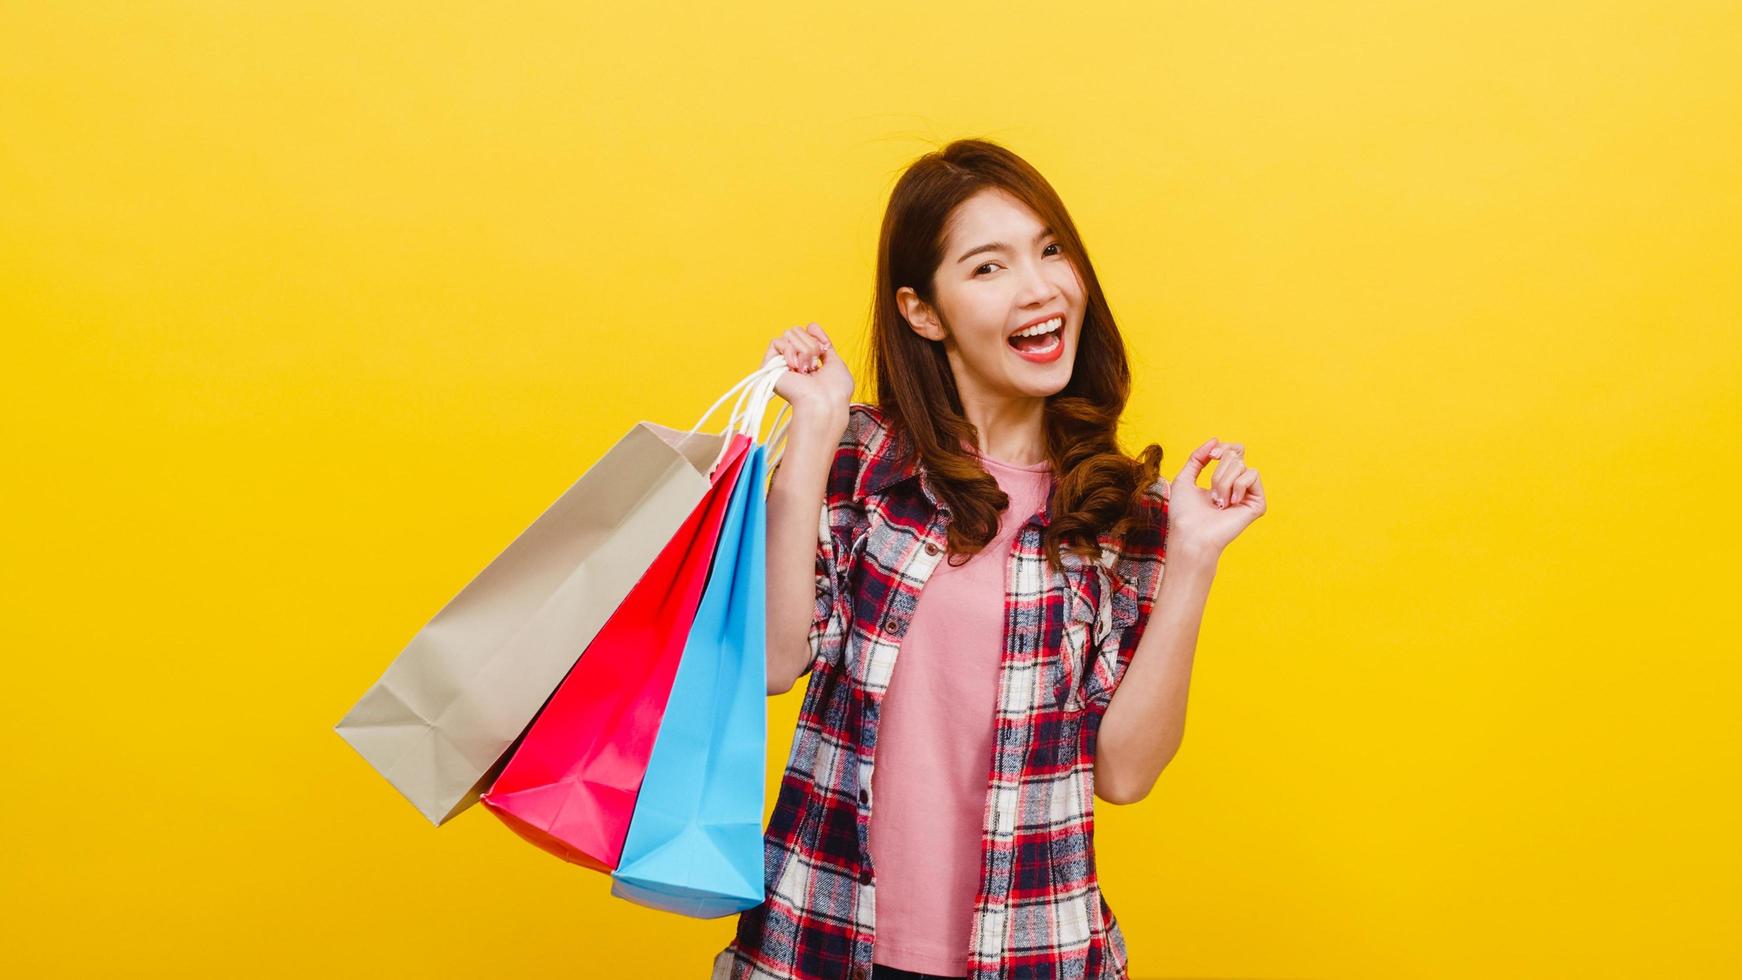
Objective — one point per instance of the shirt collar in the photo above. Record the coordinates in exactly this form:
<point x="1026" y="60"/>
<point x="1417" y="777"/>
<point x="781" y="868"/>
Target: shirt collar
<point x="895" y="461"/>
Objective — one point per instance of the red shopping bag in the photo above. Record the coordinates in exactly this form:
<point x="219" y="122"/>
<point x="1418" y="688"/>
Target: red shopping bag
<point x="571" y="785"/>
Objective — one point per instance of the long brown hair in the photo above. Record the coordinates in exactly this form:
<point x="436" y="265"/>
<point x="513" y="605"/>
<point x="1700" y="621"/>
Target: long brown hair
<point x="1097" y="487"/>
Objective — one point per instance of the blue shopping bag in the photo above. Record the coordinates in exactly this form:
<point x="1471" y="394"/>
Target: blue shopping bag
<point x="695" y="843"/>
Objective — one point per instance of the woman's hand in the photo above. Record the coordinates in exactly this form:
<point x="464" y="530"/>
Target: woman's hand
<point x="817" y="378"/>
<point x="1205" y="521"/>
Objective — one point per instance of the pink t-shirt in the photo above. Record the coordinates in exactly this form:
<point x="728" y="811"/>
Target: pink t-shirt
<point x="934" y="747"/>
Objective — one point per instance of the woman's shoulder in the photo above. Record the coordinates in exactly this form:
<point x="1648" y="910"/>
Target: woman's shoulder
<point x="1148" y="537"/>
<point x="866" y="423"/>
<point x="863" y="443"/>
<point x="866" y="427"/>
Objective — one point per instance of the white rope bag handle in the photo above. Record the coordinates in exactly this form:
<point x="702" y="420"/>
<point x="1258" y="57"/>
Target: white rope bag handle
<point x="754" y="391"/>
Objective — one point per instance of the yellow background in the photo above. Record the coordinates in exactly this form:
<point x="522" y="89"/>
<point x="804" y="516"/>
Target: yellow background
<point x="310" y="307"/>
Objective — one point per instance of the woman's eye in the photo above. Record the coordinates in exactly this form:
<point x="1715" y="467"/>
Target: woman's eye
<point x="1053" y="245"/>
<point x="986" y="266"/>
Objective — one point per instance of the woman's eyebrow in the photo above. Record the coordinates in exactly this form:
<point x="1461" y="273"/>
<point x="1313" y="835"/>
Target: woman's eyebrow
<point x="997" y="246"/>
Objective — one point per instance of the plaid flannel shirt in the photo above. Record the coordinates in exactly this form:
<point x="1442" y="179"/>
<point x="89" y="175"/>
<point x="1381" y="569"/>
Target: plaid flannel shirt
<point x="1039" y="912"/>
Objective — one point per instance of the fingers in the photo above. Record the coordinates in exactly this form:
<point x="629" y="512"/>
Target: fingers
<point x="1233" y="482"/>
<point x="813" y="358"/>
<point x="1242" y="486"/>
<point x="1195" y="464"/>
<point x="1233" y="463"/>
<point x="802" y="349"/>
<point x="806" y="350"/>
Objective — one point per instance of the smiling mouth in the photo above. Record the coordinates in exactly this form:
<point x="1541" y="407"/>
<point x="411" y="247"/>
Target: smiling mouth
<point x="1040" y="338"/>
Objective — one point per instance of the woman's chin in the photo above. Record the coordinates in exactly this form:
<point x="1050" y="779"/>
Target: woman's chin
<point x="1041" y="381"/>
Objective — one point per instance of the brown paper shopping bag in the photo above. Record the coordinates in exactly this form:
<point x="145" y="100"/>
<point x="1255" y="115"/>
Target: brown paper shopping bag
<point x="441" y="718"/>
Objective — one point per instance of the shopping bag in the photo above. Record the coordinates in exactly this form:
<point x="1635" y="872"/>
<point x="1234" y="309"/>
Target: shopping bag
<point x="695" y="841"/>
<point x="570" y="785"/>
<point x="441" y="718"/>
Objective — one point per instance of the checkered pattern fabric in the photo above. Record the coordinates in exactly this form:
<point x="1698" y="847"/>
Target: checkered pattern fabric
<point x="1069" y="636"/>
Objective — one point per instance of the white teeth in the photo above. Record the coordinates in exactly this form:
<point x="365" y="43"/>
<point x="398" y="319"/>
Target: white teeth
<point x="1040" y="328"/>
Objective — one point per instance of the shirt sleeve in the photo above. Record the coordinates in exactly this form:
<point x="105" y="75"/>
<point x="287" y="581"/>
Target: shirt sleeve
<point x="1142" y="559"/>
<point x="826" y="622"/>
<point x="837" y="522"/>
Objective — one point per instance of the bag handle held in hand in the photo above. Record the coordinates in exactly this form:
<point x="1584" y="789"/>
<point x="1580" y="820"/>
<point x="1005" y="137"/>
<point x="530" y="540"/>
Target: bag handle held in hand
<point x="758" y="388"/>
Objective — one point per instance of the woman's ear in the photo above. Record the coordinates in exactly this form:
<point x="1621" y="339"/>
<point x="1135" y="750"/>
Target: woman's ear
<point x="920" y="316"/>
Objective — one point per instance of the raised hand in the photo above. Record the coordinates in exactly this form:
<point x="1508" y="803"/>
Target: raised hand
<point x="817" y="377"/>
<point x="1208" y="519"/>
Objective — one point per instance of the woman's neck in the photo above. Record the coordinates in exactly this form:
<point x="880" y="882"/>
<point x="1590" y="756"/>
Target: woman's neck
<point x="1011" y="430"/>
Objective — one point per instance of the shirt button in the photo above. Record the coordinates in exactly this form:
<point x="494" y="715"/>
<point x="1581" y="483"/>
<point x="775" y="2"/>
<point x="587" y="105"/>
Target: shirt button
<point x="864" y="874"/>
<point x="864" y="796"/>
<point x="931" y="549"/>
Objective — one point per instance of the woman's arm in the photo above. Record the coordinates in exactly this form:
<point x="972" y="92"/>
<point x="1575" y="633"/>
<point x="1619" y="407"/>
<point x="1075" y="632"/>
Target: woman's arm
<point x="1144" y="722"/>
<point x="819" y="388"/>
<point x="795" y="509"/>
<point x="1141" y="727"/>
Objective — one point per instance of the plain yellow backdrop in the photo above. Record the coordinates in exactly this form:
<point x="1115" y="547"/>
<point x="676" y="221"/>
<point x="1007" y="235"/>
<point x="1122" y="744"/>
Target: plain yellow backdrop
<point x="309" y="308"/>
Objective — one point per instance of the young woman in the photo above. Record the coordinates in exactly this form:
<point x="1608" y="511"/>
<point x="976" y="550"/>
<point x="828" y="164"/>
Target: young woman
<point x="991" y="641"/>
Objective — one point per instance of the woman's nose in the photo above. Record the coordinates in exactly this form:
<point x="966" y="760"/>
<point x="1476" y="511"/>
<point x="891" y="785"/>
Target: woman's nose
<point x="1038" y="287"/>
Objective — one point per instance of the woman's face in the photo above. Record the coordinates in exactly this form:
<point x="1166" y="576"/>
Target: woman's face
<point x="1003" y="271"/>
